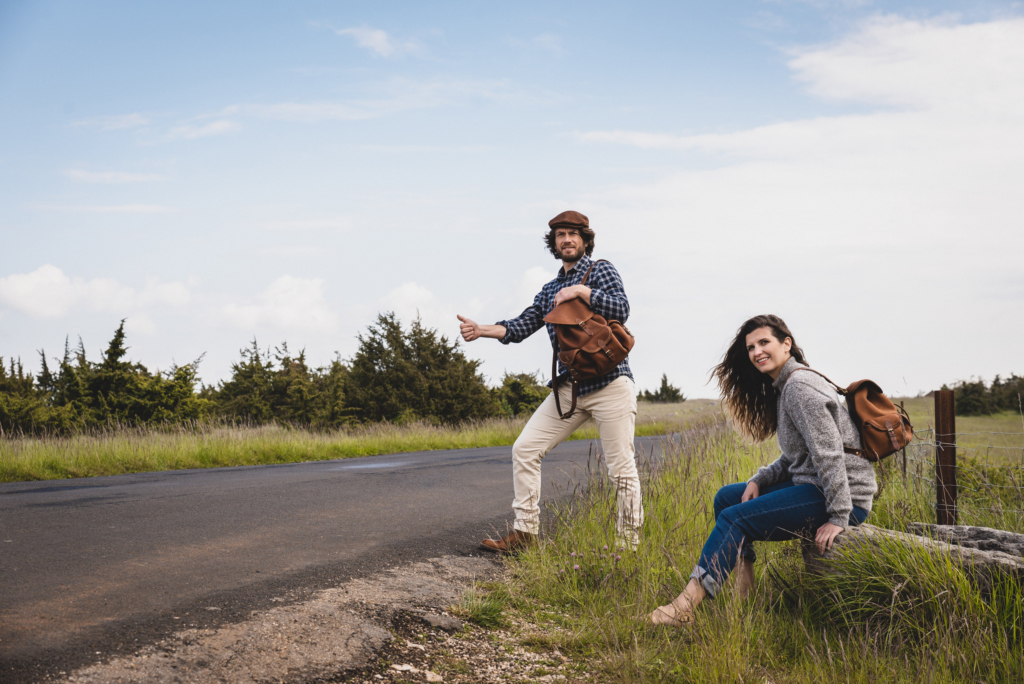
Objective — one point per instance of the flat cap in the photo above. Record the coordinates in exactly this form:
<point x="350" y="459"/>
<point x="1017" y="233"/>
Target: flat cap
<point x="570" y="218"/>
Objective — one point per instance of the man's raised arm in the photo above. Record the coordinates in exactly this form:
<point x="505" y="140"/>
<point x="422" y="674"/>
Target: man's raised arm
<point x="471" y="330"/>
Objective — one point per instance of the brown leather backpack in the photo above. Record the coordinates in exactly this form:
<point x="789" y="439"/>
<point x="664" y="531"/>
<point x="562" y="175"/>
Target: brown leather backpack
<point x="586" y="344"/>
<point x="884" y="427"/>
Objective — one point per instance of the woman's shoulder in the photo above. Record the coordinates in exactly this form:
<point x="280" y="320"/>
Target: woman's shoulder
<point x="806" y="383"/>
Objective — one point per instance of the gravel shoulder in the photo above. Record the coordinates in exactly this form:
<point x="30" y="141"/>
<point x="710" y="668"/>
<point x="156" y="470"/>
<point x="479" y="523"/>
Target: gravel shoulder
<point x="396" y="626"/>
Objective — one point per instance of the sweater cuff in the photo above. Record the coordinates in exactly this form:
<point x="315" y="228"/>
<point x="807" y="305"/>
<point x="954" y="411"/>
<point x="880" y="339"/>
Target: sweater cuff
<point x="760" y="478"/>
<point x="840" y="522"/>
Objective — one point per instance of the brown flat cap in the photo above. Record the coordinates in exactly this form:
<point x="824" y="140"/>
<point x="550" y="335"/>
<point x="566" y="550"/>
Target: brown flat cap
<point x="570" y="218"/>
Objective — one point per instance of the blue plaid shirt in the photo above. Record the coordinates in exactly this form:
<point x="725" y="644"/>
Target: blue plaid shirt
<point x="607" y="299"/>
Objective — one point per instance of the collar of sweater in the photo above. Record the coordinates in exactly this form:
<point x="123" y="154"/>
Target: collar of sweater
<point x="787" y="369"/>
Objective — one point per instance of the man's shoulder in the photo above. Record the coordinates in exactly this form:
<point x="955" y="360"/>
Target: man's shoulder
<point x="602" y="268"/>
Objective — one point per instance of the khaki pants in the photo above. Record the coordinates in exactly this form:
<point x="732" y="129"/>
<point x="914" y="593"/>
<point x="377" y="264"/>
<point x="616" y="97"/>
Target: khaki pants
<point x="613" y="408"/>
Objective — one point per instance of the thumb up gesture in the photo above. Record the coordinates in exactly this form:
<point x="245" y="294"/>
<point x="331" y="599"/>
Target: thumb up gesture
<point x="470" y="329"/>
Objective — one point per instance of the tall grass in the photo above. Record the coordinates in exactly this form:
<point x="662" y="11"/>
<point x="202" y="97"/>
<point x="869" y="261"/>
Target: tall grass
<point x="209" y="445"/>
<point x="888" y="615"/>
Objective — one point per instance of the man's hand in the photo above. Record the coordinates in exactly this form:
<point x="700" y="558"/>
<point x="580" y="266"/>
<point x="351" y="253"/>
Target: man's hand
<point x="470" y="329"/>
<point x="751" y="492"/>
<point x="567" y="293"/>
<point x="827" y="533"/>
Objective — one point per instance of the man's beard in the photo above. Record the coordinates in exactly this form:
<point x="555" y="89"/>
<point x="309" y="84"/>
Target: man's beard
<point x="573" y="259"/>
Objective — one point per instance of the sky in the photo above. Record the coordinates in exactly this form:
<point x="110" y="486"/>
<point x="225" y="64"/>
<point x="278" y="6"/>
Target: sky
<point x="221" y="172"/>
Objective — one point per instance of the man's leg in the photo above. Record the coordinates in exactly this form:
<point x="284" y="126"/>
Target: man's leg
<point x="614" y="411"/>
<point x="544" y="431"/>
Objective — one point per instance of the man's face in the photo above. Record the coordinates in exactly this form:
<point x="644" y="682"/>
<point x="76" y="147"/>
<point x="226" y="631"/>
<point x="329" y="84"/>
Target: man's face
<point x="569" y="244"/>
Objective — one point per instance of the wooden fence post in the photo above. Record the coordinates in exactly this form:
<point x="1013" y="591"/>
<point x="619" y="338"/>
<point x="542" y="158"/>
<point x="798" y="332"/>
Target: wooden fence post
<point x="903" y="451"/>
<point x="945" y="458"/>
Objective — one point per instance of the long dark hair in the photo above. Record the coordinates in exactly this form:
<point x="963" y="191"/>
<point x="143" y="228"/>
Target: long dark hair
<point x="748" y="393"/>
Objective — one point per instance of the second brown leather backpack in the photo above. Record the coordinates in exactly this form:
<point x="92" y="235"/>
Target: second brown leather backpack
<point x="884" y="427"/>
<point x="587" y="345"/>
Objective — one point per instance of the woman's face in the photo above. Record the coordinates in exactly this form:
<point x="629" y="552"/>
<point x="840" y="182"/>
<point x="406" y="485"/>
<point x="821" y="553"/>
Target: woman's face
<point x="766" y="353"/>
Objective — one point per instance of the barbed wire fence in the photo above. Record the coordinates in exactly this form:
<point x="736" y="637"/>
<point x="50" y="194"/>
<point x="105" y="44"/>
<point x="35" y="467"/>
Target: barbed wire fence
<point x="967" y="477"/>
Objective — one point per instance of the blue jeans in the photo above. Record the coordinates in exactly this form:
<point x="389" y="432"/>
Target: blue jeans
<point x="782" y="511"/>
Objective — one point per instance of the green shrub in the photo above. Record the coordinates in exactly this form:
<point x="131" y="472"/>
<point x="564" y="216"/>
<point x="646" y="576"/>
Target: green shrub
<point x="403" y="376"/>
<point x="520" y="394"/>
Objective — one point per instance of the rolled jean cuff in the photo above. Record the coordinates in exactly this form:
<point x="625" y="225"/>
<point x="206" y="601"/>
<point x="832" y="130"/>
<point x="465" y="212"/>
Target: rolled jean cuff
<point x="706" y="579"/>
<point x="747" y="553"/>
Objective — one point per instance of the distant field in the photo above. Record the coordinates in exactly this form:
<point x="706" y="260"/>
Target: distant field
<point x="212" y="446"/>
<point x="1003" y="432"/>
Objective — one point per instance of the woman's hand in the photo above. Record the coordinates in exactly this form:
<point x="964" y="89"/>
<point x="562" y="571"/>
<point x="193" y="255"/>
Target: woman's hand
<point x="827" y="533"/>
<point x="751" y="492"/>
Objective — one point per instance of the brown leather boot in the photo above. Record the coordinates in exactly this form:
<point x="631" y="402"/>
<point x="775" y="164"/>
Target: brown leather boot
<point x="514" y="542"/>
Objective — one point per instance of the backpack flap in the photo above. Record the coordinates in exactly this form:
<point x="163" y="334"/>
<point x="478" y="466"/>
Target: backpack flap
<point x="572" y="312"/>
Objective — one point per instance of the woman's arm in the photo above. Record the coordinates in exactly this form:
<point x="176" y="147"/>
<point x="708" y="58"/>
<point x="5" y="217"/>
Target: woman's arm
<point x="816" y="424"/>
<point x="773" y="473"/>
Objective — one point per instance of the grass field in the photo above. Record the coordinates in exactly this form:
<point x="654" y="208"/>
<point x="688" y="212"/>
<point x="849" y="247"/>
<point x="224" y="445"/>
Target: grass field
<point x="888" y="616"/>
<point x="121" y="451"/>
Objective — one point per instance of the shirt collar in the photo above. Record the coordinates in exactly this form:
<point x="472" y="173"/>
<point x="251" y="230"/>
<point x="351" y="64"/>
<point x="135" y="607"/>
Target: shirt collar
<point x="580" y="266"/>
<point x="787" y="369"/>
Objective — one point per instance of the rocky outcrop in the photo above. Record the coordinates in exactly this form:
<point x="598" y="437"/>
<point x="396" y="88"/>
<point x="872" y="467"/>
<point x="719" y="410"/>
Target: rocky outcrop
<point x="982" y="538"/>
<point x="984" y="560"/>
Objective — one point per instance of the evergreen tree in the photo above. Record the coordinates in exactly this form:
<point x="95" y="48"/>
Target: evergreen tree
<point x="666" y="394"/>
<point x="21" y="403"/>
<point x="416" y="375"/>
<point x="246" y="396"/>
<point x="520" y="393"/>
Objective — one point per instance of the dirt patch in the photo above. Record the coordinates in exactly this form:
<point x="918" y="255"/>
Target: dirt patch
<point x="394" y="627"/>
<point x="517" y="653"/>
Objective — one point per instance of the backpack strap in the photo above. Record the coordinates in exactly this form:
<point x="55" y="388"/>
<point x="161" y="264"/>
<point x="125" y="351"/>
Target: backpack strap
<point x="554" y="387"/>
<point x="587" y="274"/>
<point x="840" y="390"/>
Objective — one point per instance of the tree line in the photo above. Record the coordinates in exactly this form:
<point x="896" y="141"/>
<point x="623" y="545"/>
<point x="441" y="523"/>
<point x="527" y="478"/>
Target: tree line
<point x="975" y="398"/>
<point x="397" y="374"/>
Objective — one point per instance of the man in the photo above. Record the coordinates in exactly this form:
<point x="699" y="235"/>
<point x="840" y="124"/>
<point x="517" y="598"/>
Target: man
<point x="609" y="399"/>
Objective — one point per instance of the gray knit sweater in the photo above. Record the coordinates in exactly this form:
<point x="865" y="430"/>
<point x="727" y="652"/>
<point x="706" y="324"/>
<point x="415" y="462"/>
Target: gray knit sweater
<point x="813" y="427"/>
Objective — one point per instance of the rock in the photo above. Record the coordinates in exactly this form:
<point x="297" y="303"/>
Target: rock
<point x="448" y="624"/>
<point x="433" y="676"/>
<point x="983" y="538"/>
<point x="987" y="561"/>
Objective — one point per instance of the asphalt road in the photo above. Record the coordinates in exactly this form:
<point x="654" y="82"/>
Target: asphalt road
<point x="101" y="566"/>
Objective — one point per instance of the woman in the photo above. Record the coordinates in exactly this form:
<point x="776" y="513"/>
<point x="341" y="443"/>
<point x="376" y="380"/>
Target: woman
<point x="813" y="485"/>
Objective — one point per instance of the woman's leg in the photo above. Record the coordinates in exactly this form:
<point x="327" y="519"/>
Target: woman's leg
<point x="681" y="609"/>
<point x="778" y="514"/>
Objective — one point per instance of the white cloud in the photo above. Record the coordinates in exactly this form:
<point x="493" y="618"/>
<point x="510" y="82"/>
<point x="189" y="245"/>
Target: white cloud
<point x="48" y="293"/>
<point x="410" y="300"/>
<point x="532" y="281"/>
<point x="931" y="64"/>
<point x="111" y="123"/>
<point x="289" y="304"/>
<point x="899" y="217"/>
<point x="110" y="176"/>
<point x="378" y="41"/>
<point x="191" y="132"/>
